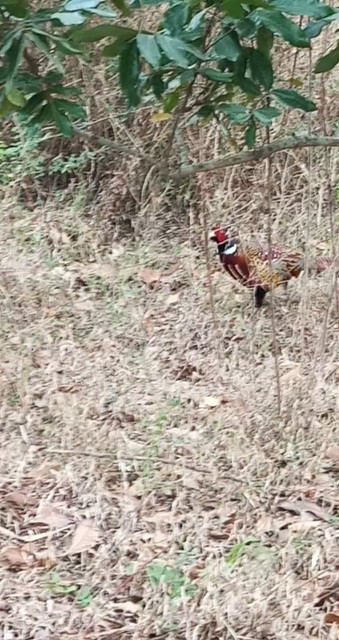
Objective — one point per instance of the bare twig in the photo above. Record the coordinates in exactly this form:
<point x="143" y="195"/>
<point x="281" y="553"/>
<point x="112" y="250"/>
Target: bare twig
<point x="180" y="110"/>
<point x="120" y="148"/>
<point x="269" y="241"/>
<point x="95" y="454"/>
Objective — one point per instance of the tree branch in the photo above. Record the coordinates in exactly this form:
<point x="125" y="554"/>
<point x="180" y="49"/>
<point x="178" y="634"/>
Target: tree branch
<point x="255" y="155"/>
<point x="115" y="146"/>
<point x="232" y="159"/>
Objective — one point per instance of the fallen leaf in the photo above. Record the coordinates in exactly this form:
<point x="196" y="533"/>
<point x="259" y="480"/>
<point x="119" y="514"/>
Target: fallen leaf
<point x="304" y="526"/>
<point x="219" y="535"/>
<point x="117" y="251"/>
<point x="172" y="299"/>
<point x="122" y="417"/>
<point x="161" y="117"/>
<point x="265" y="523"/>
<point x="101" y="270"/>
<point x="85" y="537"/>
<point x="52" y="517"/>
<point x="300" y="506"/>
<point x="196" y="571"/>
<point x="291" y="375"/>
<point x="160" y="517"/>
<point x="332" y="453"/>
<point x="149" y="276"/>
<point x="16" y="557"/>
<point x="172" y="269"/>
<point x="212" y="402"/>
<point x="44" y="471"/>
<point x="331" y="618"/>
<point x="149" y="325"/>
<point x="331" y="594"/>
<point x="20" y="499"/>
<point x="54" y="234"/>
<point x="4" y="605"/>
<point x="128" y="606"/>
<point x="187" y="372"/>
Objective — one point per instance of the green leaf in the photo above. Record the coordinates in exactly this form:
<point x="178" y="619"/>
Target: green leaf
<point x="261" y="68"/>
<point x="69" y="19"/>
<point x="16" y="97"/>
<point x="27" y="83"/>
<point x="205" y="111"/>
<point x="8" y="40"/>
<point x="53" y="77"/>
<point x="291" y="98"/>
<point x="233" y="8"/>
<point x="41" y="41"/>
<point x="6" y="107"/>
<point x="158" y="85"/>
<point x="227" y="47"/>
<point x="65" y="91"/>
<point x="17" y="8"/>
<point x="71" y="108"/>
<point x="281" y="26"/>
<point x="81" y="5"/>
<point x="61" y="121"/>
<point x="247" y="85"/>
<point x="103" y="13"/>
<point x="122" y="7"/>
<point x="149" y="49"/>
<point x="45" y="114"/>
<point x="171" y="101"/>
<point x="114" y="49"/>
<point x="247" y="28"/>
<point x="326" y="63"/>
<point x="237" y="114"/>
<point x="266" y="115"/>
<point x="66" y="47"/>
<point x="258" y="3"/>
<point x="172" y="48"/>
<point x="129" y="69"/>
<point x="104" y="31"/>
<point x="193" y="50"/>
<point x="311" y="8"/>
<point x="216" y="76"/>
<point x="197" y="23"/>
<point x="187" y="77"/>
<point x="313" y="29"/>
<point x="33" y="103"/>
<point x="176" y="18"/>
<point x="15" y="57"/>
<point x="264" y="41"/>
<point x="250" y="135"/>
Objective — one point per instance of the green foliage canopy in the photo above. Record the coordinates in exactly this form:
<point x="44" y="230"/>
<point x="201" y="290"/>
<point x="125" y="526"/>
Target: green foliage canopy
<point x="223" y="49"/>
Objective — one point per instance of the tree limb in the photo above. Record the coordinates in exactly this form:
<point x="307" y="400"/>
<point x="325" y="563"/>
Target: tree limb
<point x="230" y="160"/>
<point x="255" y="155"/>
<point x="115" y="146"/>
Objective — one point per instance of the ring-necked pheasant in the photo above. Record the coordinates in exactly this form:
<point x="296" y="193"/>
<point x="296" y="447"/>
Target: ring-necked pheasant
<point x="253" y="268"/>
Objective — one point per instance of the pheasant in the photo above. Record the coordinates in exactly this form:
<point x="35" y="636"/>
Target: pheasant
<point x="260" y="269"/>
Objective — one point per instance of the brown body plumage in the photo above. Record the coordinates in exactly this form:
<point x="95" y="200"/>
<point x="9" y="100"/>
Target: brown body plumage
<point x="262" y="269"/>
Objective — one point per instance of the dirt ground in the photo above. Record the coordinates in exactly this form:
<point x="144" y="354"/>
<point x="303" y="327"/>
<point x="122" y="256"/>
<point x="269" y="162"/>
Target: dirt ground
<point x="149" y="488"/>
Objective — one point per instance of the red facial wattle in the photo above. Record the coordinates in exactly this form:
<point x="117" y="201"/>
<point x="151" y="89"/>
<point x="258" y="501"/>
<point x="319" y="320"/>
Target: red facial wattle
<point x="220" y="235"/>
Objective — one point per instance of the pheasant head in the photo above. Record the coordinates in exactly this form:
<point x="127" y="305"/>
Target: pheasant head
<point x="225" y="246"/>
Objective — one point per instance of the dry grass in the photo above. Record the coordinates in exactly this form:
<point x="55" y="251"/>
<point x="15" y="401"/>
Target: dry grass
<point x="125" y="406"/>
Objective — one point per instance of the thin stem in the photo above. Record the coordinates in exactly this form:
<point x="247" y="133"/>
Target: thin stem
<point x="269" y="242"/>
